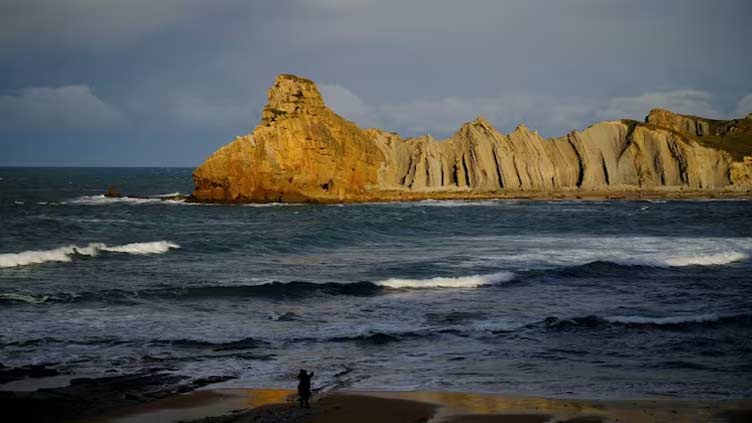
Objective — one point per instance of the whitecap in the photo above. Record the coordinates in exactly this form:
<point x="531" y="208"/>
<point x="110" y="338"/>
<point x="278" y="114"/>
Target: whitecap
<point x="66" y="253"/>
<point x="473" y="281"/>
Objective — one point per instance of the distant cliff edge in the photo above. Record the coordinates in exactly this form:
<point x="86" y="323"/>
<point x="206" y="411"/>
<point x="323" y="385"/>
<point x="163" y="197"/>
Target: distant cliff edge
<point x="304" y="152"/>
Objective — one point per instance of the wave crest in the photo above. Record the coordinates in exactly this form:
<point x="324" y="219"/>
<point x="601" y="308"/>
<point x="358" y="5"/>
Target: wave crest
<point x="665" y="323"/>
<point x="473" y="281"/>
<point x="66" y="253"/>
<point x="273" y="290"/>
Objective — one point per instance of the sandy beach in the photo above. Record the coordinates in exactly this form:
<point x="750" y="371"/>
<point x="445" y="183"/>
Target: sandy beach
<point x="271" y="406"/>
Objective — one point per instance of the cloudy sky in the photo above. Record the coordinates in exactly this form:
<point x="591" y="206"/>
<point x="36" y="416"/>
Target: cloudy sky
<point x="164" y="83"/>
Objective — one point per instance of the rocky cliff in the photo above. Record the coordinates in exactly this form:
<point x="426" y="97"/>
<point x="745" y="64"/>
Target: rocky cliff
<point x="302" y="151"/>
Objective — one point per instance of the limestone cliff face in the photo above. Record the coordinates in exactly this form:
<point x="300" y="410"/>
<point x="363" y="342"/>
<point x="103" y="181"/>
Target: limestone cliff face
<point x="302" y="151"/>
<point x="689" y="126"/>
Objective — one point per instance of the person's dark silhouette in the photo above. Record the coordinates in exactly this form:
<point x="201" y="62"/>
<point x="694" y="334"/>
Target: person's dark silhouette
<point x="304" y="388"/>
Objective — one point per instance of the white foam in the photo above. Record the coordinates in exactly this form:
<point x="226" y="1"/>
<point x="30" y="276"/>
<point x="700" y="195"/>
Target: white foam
<point x="641" y="320"/>
<point x="461" y="203"/>
<point x="25" y="298"/>
<point x="157" y="247"/>
<point x="473" y="281"/>
<point x="101" y="200"/>
<point x="707" y="260"/>
<point x="273" y="204"/>
<point x="66" y="253"/>
<point x="711" y="259"/>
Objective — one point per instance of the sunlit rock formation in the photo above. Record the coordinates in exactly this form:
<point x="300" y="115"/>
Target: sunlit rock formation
<point x="303" y="152"/>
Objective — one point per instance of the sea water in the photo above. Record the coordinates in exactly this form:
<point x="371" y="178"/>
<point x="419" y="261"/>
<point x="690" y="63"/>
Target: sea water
<point x="559" y="298"/>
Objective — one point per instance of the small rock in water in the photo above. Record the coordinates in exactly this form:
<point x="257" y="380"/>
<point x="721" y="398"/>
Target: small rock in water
<point x="112" y="192"/>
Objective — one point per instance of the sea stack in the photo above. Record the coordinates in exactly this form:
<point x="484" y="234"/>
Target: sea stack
<point x="304" y="152"/>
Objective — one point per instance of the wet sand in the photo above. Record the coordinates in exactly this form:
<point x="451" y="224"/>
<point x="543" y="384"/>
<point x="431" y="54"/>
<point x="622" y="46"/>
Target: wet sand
<point x="272" y="406"/>
<point x="196" y="404"/>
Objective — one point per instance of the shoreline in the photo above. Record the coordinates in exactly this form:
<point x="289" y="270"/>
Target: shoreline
<point x="271" y="406"/>
<point x="567" y="195"/>
<point x="159" y="397"/>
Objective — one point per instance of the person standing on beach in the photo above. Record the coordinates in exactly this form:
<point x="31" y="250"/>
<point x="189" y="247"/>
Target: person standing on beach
<point x="304" y="388"/>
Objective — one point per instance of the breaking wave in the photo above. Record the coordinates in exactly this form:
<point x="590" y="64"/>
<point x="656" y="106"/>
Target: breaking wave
<point x="715" y="259"/>
<point x="473" y="281"/>
<point x="66" y="253"/>
<point x="272" y="290"/>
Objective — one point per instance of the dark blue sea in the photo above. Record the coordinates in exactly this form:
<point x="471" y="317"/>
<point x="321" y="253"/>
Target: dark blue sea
<point x="559" y="298"/>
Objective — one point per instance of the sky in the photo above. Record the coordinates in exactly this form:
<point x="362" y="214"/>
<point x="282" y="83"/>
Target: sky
<point x="165" y="83"/>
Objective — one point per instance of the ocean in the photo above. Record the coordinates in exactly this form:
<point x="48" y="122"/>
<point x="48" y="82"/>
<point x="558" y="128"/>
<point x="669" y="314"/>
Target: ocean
<point x="595" y="299"/>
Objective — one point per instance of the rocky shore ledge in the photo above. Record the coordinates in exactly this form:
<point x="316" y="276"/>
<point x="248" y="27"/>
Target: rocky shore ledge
<point x="304" y="152"/>
<point x="24" y="396"/>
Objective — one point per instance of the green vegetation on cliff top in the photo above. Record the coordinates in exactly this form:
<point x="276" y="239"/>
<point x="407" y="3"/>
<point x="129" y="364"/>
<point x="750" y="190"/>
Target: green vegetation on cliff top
<point x="732" y="136"/>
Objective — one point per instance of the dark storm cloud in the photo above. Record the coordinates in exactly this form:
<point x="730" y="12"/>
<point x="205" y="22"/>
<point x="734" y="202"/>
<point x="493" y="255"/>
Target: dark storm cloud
<point x="62" y="109"/>
<point x="80" y="23"/>
<point x="167" y="82"/>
